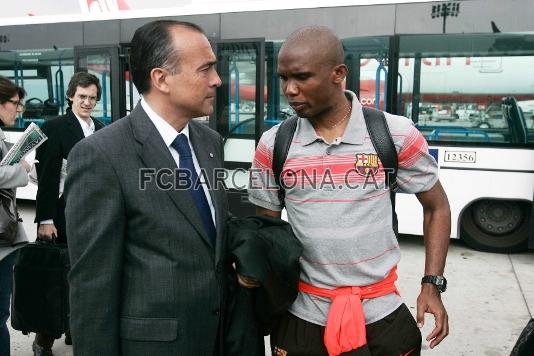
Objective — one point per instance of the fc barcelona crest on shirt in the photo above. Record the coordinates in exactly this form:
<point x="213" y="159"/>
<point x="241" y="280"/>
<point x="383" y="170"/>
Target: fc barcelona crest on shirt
<point x="366" y="164"/>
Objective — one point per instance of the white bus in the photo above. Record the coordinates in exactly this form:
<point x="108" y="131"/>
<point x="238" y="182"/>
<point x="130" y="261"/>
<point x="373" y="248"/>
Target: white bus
<point x="470" y="91"/>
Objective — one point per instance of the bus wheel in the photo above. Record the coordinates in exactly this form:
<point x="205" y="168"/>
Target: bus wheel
<point x="496" y="226"/>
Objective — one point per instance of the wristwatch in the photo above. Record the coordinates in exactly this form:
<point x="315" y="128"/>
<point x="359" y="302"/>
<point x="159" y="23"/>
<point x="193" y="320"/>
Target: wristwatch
<point x="439" y="281"/>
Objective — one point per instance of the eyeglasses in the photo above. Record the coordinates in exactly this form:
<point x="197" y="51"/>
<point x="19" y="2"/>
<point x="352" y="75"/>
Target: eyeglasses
<point x="17" y="103"/>
<point x="83" y="97"/>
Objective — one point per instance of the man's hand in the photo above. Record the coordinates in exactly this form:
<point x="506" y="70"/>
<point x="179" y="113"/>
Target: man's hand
<point x="47" y="232"/>
<point x="247" y="282"/>
<point x="27" y="167"/>
<point x="429" y="301"/>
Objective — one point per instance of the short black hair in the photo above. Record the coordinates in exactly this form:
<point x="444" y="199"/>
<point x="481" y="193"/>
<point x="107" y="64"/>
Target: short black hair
<point x="321" y="39"/>
<point x="8" y="89"/>
<point x="84" y="80"/>
<point x="152" y="47"/>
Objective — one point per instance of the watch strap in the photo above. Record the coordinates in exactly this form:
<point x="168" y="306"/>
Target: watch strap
<point x="439" y="281"/>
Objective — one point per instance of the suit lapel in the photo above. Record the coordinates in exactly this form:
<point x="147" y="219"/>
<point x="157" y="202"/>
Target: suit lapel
<point x="74" y="127"/>
<point x="98" y="125"/>
<point x="206" y="157"/>
<point x="155" y="154"/>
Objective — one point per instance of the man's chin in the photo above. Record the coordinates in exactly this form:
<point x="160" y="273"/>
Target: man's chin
<point x="301" y="112"/>
<point x="83" y="115"/>
<point x="208" y="111"/>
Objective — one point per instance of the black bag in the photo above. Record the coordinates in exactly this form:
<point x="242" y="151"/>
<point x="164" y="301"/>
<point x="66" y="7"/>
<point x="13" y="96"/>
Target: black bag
<point x="9" y="217"/>
<point x="525" y="343"/>
<point x="40" y="290"/>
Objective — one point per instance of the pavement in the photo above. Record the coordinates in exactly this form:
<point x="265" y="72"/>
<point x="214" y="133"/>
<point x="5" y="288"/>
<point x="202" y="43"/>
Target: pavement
<point x="490" y="297"/>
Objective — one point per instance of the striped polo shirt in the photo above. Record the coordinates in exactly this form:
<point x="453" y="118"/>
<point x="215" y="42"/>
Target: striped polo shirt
<point x="339" y="206"/>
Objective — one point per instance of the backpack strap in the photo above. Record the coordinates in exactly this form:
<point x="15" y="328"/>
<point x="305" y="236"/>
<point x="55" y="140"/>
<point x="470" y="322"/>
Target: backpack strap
<point x="282" y="142"/>
<point x="380" y="137"/>
<point x="385" y="148"/>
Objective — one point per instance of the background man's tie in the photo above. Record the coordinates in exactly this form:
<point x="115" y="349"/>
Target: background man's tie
<point x="190" y="180"/>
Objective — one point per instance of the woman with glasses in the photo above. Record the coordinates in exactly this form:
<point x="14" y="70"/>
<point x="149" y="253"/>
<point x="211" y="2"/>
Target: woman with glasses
<point x="11" y="177"/>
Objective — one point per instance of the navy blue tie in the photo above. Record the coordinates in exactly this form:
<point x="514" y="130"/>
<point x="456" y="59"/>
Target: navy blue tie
<point x="189" y="180"/>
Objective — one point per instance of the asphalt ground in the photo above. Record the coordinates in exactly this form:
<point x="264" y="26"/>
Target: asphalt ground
<point x="490" y="297"/>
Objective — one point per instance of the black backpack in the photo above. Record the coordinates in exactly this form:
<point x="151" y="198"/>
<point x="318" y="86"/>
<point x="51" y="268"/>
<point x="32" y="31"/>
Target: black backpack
<point x="380" y="137"/>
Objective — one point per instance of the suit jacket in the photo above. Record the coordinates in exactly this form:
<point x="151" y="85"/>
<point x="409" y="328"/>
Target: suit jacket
<point x="11" y="177"/>
<point x="63" y="133"/>
<point x="145" y="279"/>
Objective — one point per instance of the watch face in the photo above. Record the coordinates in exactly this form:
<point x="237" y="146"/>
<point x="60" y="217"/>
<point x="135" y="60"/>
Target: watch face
<point x="439" y="281"/>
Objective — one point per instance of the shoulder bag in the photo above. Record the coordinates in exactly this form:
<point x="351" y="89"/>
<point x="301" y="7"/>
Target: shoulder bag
<point x="9" y="217"/>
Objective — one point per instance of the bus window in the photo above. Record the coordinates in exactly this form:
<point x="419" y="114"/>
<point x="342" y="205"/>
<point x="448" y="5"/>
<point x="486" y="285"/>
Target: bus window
<point x="366" y="59"/>
<point x="373" y="75"/>
<point x="103" y="62"/>
<point x="242" y="104"/>
<point x="458" y="97"/>
<point x="100" y="65"/>
<point x="44" y="74"/>
<point x="131" y="95"/>
<point x="277" y="108"/>
<point x="239" y="109"/>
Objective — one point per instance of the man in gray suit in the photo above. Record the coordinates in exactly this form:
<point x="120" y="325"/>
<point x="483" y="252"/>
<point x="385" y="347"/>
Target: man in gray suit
<point x="146" y="245"/>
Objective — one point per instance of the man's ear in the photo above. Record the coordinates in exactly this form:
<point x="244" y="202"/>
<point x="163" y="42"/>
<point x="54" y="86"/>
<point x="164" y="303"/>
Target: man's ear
<point x="339" y="73"/>
<point x="158" y="80"/>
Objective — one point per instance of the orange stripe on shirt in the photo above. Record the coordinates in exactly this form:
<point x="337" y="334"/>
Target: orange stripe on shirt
<point x="263" y="156"/>
<point x="414" y="146"/>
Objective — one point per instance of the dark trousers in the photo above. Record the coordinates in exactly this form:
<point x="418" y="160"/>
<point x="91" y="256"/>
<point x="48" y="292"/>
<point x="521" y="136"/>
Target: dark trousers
<point x="396" y="334"/>
<point x="59" y="221"/>
<point x="6" y="284"/>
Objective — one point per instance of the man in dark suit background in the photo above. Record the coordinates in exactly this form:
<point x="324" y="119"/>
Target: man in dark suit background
<point x="146" y="247"/>
<point x="63" y="133"/>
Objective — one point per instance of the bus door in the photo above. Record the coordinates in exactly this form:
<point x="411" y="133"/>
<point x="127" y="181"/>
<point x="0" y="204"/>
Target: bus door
<point x="129" y="94"/>
<point x="239" y="113"/>
<point x="104" y="63"/>
<point x="370" y="71"/>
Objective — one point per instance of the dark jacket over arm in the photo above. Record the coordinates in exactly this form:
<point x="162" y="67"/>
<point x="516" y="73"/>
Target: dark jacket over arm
<point x="267" y="250"/>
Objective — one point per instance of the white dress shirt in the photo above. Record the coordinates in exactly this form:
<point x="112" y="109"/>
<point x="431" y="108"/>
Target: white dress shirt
<point x="87" y="128"/>
<point x="168" y="134"/>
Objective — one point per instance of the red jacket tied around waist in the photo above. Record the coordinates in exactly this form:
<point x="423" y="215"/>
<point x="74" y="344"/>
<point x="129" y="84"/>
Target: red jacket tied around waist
<point x="345" y="326"/>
